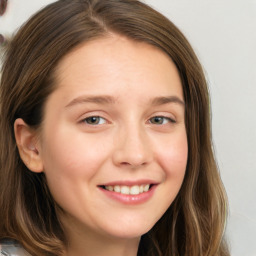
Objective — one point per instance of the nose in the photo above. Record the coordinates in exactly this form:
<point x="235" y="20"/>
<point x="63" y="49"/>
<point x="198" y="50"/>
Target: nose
<point x="132" y="148"/>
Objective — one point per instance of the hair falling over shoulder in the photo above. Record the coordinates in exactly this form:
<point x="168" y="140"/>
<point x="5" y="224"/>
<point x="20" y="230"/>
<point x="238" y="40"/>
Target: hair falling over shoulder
<point x="194" y="224"/>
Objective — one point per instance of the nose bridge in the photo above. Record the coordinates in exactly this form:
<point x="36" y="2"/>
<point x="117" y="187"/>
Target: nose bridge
<point x="132" y="147"/>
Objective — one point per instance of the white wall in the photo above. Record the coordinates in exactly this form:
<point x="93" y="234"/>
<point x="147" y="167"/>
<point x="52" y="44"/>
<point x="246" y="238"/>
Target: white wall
<point x="223" y="33"/>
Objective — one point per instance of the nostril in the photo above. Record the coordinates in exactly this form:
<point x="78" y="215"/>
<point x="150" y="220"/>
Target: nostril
<point x="125" y="163"/>
<point x="130" y="154"/>
<point x="133" y="164"/>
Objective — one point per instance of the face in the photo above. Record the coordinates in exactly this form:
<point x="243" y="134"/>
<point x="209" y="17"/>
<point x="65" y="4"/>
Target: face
<point x="113" y="142"/>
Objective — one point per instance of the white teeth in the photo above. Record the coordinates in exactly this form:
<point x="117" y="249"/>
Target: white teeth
<point x="126" y="190"/>
<point x="117" y="189"/>
<point x="110" y="188"/>
<point x="146" y="188"/>
<point x="134" y="190"/>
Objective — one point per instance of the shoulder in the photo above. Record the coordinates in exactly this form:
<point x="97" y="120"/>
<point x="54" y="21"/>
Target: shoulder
<point x="11" y="248"/>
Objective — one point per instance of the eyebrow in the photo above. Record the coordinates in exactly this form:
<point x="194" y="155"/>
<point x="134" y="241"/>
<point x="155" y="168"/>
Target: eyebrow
<point x="92" y="99"/>
<point x="106" y="99"/>
<point x="166" y="100"/>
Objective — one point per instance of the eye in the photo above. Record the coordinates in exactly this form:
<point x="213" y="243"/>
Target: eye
<point x="94" y="120"/>
<point x="160" y="120"/>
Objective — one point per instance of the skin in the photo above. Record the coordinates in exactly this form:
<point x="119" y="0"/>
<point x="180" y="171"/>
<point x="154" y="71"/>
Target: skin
<point x="125" y="144"/>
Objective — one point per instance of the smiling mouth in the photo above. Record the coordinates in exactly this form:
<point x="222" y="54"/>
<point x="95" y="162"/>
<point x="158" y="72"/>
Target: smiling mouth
<point x="129" y="190"/>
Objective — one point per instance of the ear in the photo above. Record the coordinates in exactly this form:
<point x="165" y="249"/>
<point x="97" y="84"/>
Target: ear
<point x="27" y="143"/>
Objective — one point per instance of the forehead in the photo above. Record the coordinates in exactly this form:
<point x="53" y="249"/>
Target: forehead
<point x="113" y="63"/>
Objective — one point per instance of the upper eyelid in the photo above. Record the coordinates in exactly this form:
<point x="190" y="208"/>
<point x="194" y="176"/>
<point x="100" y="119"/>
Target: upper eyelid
<point x="172" y="120"/>
<point x="164" y="115"/>
<point x="107" y="117"/>
<point x="105" y="120"/>
<point x="90" y="116"/>
<point x="95" y="113"/>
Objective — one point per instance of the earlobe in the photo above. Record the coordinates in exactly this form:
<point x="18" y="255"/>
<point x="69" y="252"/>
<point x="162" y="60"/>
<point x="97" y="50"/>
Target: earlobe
<point x="26" y="141"/>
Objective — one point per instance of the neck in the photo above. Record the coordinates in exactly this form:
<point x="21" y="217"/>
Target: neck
<point x="99" y="248"/>
<point x="84" y="241"/>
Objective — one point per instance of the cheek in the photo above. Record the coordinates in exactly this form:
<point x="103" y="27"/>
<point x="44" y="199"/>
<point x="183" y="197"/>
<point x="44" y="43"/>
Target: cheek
<point x="76" y="157"/>
<point x="71" y="162"/>
<point x="173" y="155"/>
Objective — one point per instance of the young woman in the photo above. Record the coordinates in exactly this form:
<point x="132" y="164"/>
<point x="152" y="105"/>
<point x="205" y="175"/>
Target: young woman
<point x="105" y="137"/>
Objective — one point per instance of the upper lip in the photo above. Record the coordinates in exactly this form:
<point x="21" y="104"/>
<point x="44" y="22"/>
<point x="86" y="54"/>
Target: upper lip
<point x="130" y="182"/>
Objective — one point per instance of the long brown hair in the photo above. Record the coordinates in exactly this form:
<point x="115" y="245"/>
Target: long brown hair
<point x="194" y="223"/>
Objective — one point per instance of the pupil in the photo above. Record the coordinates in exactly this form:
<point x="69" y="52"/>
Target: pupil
<point x="93" y="120"/>
<point x="158" y="120"/>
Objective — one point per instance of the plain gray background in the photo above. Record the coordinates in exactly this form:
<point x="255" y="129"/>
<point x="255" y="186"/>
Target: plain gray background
<point x="223" y="34"/>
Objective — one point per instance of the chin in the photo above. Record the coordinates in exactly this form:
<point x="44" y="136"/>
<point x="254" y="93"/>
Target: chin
<point x="129" y="232"/>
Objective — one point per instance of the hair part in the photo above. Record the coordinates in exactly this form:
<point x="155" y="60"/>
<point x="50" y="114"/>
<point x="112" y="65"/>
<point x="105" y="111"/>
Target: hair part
<point x="194" y="223"/>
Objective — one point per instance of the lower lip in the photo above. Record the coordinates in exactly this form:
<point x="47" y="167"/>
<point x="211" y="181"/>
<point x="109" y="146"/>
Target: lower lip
<point x="130" y="199"/>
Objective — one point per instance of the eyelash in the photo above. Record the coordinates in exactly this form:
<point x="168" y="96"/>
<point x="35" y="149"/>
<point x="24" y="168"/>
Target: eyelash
<point x="164" y="119"/>
<point x="85" y="120"/>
